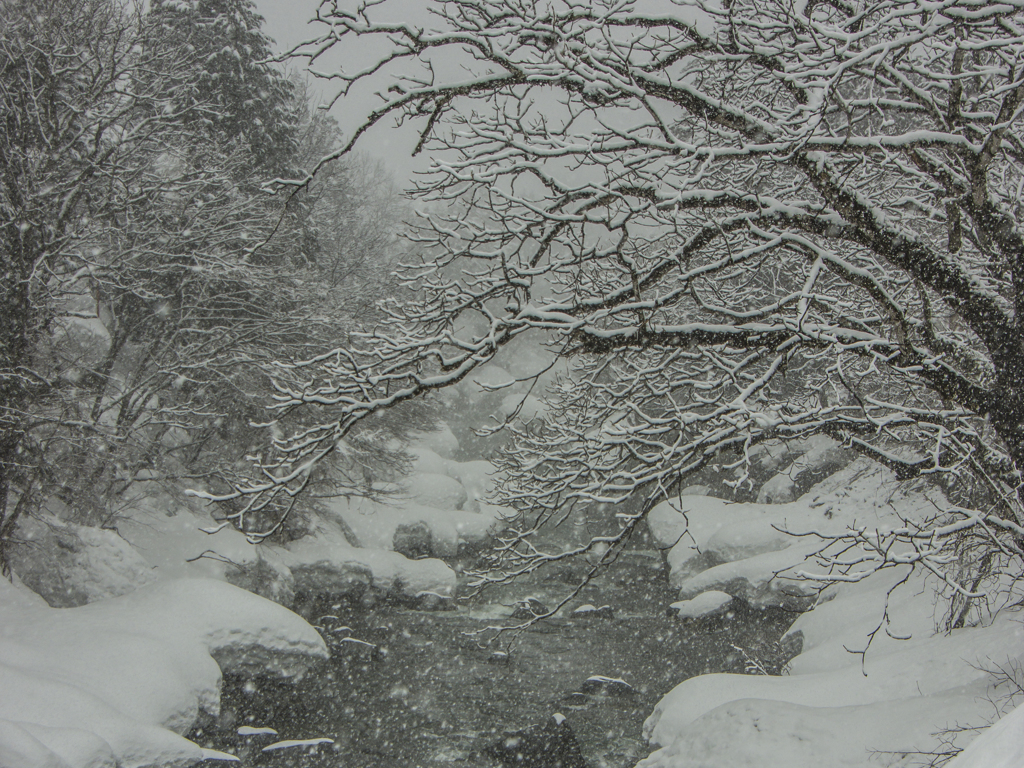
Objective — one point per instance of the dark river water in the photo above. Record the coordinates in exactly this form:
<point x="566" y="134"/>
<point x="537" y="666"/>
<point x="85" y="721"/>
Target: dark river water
<point x="421" y="690"/>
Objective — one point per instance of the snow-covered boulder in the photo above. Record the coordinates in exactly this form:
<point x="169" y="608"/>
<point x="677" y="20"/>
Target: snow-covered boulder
<point x="375" y="524"/>
<point x="55" y="748"/>
<point x="83" y="339"/>
<point x="751" y="733"/>
<point x="427" y="460"/>
<point x="116" y="682"/>
<point x="706" y="604"/>
<point x="477" y="477"/>
<point x="836" y="707"/>
<point x="740" y="548"/>
<point x="168" y="533"/>
<point x="414" y="540"/>
<point x="323" y="563"/>
<point x="72" y="564"/>
<point x="754" y="580"/>
<point x="437" y="491"/>
<point x="328" y="565"/>
<point x="441" y="441"/>
<point x="822" y="456"/>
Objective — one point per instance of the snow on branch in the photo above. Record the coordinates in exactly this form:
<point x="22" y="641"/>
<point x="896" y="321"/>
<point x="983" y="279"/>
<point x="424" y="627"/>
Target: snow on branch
<point x="741" y="224"/>
<point x="855" y="554"/>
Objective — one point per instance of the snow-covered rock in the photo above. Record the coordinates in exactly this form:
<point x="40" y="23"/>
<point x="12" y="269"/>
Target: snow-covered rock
<point x="836" y="707"/>
<point x="72" y="564"/>
<point x="739" y="548"/>
<point x="375" y="524"/>
<point x="441" y="441"/>
<point x="589" y="611"/>
<point x="169" y="535"/>
<point x="327" y="564"/>
<point x="477" y="477"/>
<point x="434" y="490"/>
<point x="821" y="456"/>
<point x="750" y="733"/>
<point x="428" y="461"/>
<point x="704" y="604"/>
<point x="754" y="580"/>
<point x="116" y="682"/>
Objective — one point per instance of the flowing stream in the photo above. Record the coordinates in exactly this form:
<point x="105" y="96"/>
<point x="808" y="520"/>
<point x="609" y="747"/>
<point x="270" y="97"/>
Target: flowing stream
<point x="412" y="688"/>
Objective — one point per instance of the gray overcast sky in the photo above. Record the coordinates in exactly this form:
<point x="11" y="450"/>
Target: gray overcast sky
<point x="287" y="21"/>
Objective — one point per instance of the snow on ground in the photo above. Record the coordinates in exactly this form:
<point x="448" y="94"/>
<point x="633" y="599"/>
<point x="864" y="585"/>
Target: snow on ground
<point x="390" y="546"/>
<point x="738" y="548"/>
<point x="836" y="707"/>
<point x="117" y="682"/>
<point x="1001" y="746"/>
<point x="439" y="508"/>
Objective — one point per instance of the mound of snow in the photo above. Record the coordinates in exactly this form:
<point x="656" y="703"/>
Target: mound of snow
<point x="435" y="490"/>
<point x="821" y="456"/>
<point x="375" y="524"/>
<point x="875" y="680"/>
<point x="116" y="682"/>
<point x="169" y="536"/>
<point x="428" y="461"/>
<point x="1001" y="746"/>
<point x="327" y="564"/>
<point x="477" y="477"/>
<point x="739" y="548"/>
<point x="72" y="564"/>
<point x="702" y="605"/>
<point x="441" y="441"/>
<point x="837" y="707"/>
<point x="747" y="733"/>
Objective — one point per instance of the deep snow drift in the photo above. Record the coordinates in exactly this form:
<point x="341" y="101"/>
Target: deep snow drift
<point x="117" y="682"/>
<point x="836" y="707"/>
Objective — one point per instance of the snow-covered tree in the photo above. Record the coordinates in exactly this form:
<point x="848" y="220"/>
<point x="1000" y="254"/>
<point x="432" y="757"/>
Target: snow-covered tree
<point x="235" y="96"/>
<point x="147" y="280"/>
<point x="71" y="120"/>
<point x="742" y="221"/>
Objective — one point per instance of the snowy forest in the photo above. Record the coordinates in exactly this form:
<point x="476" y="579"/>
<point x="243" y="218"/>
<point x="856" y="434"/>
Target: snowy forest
<point x="667" y="413"/>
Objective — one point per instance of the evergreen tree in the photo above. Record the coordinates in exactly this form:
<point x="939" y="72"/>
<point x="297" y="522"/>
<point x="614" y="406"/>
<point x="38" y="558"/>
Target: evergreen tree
<point x="236" y="96"/>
